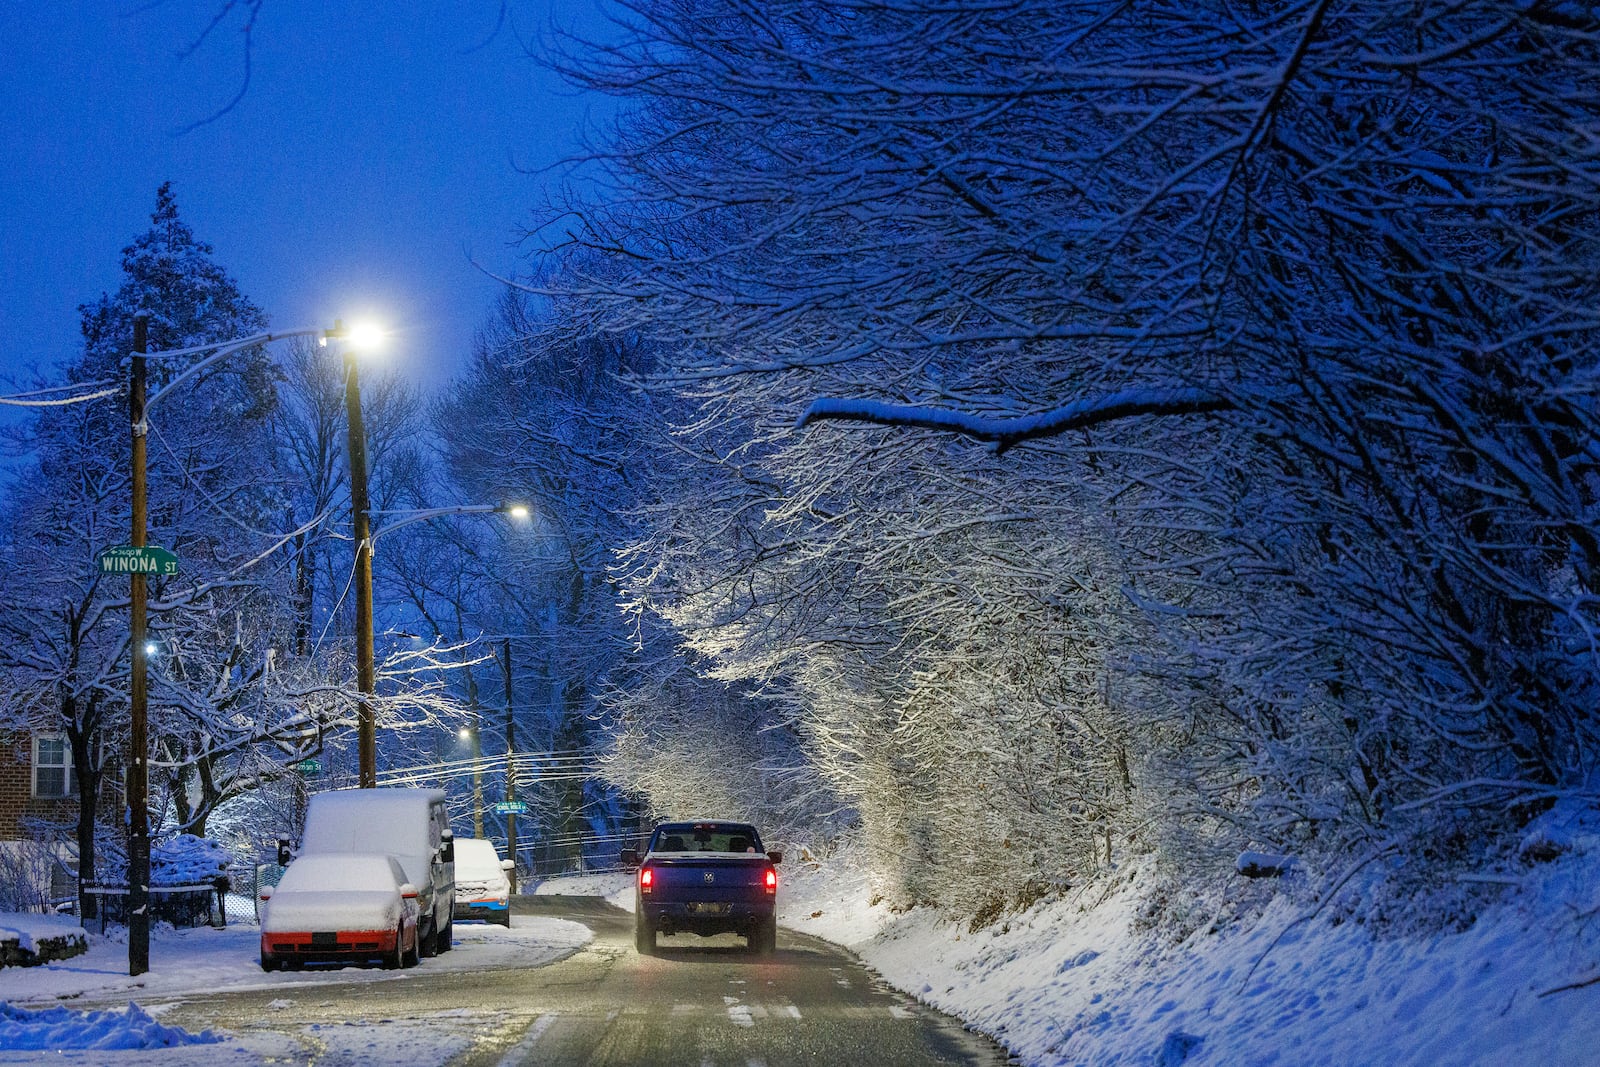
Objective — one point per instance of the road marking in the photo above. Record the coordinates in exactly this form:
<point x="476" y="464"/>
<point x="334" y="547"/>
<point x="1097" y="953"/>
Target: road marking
<point x="794" y="1012"/>
<point x="900" y="1013"/>
<point x="535" y="1032"/>
<point x="740" y="1015"/>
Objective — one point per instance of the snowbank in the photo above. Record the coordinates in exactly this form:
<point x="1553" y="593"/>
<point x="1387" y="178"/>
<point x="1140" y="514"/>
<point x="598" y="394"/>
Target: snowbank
<point x="28" y="940"/>
<point x="1073" y="982"/>
<point x="58" y="1030"/>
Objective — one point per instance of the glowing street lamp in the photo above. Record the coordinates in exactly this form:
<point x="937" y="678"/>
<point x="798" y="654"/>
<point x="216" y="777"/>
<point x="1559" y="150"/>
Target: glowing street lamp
<point x="363" y="337"/>
<point x="136" y="779"/>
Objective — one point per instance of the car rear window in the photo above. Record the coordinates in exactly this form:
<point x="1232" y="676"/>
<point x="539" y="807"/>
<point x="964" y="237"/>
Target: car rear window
<point x="321" y="873"/>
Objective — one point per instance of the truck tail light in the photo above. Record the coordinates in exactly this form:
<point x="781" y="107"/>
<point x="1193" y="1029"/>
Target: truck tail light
<point x="772" y="880"/>
<point x="647" y="879"/>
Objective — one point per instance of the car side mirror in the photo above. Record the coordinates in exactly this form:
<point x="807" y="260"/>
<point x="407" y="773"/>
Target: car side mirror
<point x="629" y="857"/>
<point x="408" y="891"/>
<point x="447" y="847"/>
<point x="283" y="852"/>
<point x="507" y="865"/>
<point x="775" y="856"/>
<point x="265" y="893"/>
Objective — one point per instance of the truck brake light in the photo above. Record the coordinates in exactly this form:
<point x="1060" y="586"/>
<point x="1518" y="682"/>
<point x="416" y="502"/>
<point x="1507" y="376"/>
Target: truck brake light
<point x="772" y="880"/>
<point x="647" y="879"/>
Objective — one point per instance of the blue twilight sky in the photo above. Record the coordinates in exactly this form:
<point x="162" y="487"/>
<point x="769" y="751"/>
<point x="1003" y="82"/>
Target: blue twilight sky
<point x="379" y="149"/>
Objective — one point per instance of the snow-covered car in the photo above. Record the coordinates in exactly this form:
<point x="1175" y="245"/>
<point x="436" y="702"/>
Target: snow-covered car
<point x="346" y="907"/>
<point x="482" y="889"/>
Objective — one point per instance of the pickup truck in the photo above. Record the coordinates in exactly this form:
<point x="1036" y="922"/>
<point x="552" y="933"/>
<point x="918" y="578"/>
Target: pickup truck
<point x="705" y="877"/>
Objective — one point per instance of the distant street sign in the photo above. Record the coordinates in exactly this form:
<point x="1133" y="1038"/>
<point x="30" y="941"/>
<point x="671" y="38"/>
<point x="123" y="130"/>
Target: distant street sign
<point x="148" y="559"/>
<point x="308" y="767"/>
<point x="511" y="807"/>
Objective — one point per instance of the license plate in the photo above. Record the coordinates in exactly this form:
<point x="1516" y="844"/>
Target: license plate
<point x="708" y="909"/>
<point x="324" y="939"/>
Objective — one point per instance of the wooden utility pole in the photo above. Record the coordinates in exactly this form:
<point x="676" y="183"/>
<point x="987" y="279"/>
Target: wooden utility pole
<point x="475" y="745"/>
<point x="366" y="672"/>
<point x="511" y="764"/>
<point x="138" y="740"/>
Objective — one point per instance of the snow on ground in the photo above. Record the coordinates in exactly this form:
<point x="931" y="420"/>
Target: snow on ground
<point x="1071" y="982"/>
<point x="29" y="930"/>
<point x="1068" y="982"/>
<point x="603" y="884"/>
<point x="204" y="960"/>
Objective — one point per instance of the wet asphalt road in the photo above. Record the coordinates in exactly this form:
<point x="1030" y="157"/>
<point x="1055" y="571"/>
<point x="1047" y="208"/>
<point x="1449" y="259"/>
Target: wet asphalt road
<point x="700" y="1001"/>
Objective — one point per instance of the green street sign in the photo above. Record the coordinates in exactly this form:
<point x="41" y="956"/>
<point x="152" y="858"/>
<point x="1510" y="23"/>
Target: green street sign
<point x="511" y="807"/>
<point x="148" y="559"/>
<point x="308" y="767"/>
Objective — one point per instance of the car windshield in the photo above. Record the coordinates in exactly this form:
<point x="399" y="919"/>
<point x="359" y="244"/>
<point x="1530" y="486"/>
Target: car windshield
<point x="706" y="837"/>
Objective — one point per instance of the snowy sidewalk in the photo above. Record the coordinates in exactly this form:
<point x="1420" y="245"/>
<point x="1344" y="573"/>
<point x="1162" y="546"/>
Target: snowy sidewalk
<point x="79" y="1010"/>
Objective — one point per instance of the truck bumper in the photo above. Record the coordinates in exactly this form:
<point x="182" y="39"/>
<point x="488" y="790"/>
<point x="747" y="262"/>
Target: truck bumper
<point x="706" y="919"/>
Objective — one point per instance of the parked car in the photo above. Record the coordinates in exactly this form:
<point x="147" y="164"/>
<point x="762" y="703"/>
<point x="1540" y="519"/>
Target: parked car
<point x="347" y="907"/>
<point x="482" y="889"/>
<point x="409" y="824"/>
<point x="706" y="877"/>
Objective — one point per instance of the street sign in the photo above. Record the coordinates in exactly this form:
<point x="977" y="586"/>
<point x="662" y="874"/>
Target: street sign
<point x="511" y="807"/>
<point x="308" y="767"/>
<point x="148" y="559"/>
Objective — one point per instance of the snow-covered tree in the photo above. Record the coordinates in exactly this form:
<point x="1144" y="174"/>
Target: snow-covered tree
<point x="1282" y="318"/>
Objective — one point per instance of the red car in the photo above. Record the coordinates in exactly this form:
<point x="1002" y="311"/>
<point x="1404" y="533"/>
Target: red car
<point x="351" y="907"/>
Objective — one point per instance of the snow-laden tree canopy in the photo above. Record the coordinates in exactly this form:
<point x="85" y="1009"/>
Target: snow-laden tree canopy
<point x="1284" y="319"/>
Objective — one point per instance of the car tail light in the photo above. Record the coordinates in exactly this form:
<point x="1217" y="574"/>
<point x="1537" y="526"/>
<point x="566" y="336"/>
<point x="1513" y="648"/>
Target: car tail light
<point x="647" y="879"/>
<point x="772" y="880"/>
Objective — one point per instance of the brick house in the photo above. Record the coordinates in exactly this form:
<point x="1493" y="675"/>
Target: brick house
<point x="36" y="782"/>
<point x="37" y="790"/>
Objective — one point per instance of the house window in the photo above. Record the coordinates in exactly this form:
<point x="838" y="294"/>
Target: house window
<point x="52" y="767"/>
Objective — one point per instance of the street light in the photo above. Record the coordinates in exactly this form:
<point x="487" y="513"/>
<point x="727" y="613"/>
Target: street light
<point x="361" y="337"/>
<point x="140" y="649"/>
<point x="366" y="654"/>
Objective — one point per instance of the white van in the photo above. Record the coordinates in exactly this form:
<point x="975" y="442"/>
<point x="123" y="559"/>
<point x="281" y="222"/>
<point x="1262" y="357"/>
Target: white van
<point x="409" y="824"/>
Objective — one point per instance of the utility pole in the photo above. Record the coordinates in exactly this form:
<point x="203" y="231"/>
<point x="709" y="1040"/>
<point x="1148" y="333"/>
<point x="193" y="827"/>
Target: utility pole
<point x="366" y="672"/>
<point x="138" y="740"/>
<point x="511" y="764"/>
<point x="476" y="739"/>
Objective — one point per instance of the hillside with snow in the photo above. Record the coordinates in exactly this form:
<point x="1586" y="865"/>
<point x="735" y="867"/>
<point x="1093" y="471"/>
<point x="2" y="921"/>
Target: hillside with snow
<point x="1084" y="980"/>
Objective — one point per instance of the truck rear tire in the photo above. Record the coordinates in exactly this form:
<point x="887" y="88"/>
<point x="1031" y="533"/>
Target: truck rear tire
<point x="644" y="936"/>
<point x="763" y="940"/>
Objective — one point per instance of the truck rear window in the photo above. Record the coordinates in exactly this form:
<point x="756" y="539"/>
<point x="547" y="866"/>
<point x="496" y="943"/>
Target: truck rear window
<point x="706" y="839"/>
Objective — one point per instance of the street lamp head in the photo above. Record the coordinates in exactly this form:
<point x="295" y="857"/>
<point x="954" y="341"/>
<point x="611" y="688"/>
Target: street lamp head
<point x="365" y="336"/>
<point x="466" y="733"/>
<point x="516" y="511"/>
<point x="151" y="648"/>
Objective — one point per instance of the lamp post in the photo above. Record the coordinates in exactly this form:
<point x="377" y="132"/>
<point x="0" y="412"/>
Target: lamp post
<point x="138" y="782"/>
<point x="366" y="669"/>
<point x="366" y="655"/>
